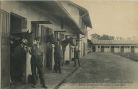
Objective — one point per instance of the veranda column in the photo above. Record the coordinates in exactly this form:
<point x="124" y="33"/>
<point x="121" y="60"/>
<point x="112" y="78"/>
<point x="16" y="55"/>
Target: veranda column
<point x="28" y="56"/>
<point x="53" y="50"/>
<point x="96" y="48"/>
<point x="0" y="54"/>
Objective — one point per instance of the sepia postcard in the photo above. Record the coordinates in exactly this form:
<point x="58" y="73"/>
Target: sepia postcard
<point x="68" y="44"/>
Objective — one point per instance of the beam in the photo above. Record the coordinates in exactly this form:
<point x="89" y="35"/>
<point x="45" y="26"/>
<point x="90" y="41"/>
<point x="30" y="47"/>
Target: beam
<point x="59" y="31"/>
<point x="42" y="22"/>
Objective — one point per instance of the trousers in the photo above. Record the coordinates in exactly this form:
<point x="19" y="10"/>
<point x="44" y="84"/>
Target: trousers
<point x="78" y="60"/>
<point x="37" y="69"/>
<point x="57" y="66"/>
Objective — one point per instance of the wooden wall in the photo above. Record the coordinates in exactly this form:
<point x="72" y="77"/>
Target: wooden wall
<point x="5" y="48"/>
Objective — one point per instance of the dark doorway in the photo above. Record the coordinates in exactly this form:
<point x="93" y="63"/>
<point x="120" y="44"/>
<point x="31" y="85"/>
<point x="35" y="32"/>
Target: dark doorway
<point x="102" y="48"/>
<point x="112" y="49"/>
<point x="18" y="54"/>
<point x="93" y="48"/>
<point x="132" y="49"/>
<point x="122" y="49"/>
<point x="49" y="41"/>
<point x="46" y="39"/>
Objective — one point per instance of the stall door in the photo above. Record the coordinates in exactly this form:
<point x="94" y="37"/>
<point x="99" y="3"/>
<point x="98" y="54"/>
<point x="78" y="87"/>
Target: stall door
<point x="5" y="48"/>
<point x="18" y="54"/>
<point x="122" y="49"/>
<point x="102" y="48"/>
<point x="112" y="49"/>
<point x="93" y="49"/>
<point x="132" y="49"/>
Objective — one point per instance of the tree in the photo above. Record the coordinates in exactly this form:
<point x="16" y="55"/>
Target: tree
<point x="95" y="36"/>
<point x="103" y="37"/>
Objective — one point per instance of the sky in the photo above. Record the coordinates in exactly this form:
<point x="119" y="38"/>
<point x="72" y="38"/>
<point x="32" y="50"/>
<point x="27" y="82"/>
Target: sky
<point x="118" y="18"/>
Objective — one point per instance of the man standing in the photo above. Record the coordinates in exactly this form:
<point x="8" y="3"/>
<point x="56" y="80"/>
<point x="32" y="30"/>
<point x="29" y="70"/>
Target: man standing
<point x="76" y="56"/>
<point x="58" y="56"/>
<point x="36" y="63"/>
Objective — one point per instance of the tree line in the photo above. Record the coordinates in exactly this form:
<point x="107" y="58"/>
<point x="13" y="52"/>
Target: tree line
<point x="105" y="37"/>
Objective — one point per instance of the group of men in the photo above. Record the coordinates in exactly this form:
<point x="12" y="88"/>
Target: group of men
<point x="36" y="53"/>
<point x="36" y="60"/>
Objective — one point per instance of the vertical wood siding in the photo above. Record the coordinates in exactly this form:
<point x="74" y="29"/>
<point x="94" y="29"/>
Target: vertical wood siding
<point x="5" y="48"/>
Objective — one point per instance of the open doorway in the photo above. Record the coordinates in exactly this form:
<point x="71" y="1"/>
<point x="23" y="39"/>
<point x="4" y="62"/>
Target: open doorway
<point x="39" y="29"/>
<point x="18" y="54"/>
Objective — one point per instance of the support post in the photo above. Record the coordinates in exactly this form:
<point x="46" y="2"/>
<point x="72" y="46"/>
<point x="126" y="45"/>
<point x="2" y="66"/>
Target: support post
<point x="53" y="50"/>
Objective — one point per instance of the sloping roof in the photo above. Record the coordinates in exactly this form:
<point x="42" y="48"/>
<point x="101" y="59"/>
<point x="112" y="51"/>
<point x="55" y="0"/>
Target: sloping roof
<point x="55" y="10"/>
<point x="85" y="14"/>
<point x="115" y="42"/>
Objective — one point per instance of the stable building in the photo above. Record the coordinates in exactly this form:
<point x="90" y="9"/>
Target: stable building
<point x="61" y="19"/>
<point x="115" y="46"/>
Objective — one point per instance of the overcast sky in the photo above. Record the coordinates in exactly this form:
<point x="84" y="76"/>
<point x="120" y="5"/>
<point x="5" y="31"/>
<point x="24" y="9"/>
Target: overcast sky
<point x="117" y="18"/>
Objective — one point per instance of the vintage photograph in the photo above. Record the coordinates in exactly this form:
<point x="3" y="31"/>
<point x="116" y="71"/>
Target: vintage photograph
<point x="68" y="44"/>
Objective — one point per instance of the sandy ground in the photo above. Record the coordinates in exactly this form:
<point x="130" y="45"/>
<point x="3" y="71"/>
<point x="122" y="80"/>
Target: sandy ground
<point x="104" y="71"/>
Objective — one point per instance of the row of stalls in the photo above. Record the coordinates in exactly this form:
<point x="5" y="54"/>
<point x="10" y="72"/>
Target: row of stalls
<point x="49" y="20"/>
<point x="115" y="46"/>
<point x="115" y="49"/>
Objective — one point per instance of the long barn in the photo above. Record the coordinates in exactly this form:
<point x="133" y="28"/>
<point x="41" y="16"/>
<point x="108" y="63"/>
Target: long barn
<point x="115" y="46"/>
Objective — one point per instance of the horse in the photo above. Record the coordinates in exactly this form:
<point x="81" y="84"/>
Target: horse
<point x="18" y="54"/>
<point x="64" y="44"/>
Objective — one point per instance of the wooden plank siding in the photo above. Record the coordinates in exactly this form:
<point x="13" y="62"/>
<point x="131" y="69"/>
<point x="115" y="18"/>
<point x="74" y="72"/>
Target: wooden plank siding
<point x="5" y="48"/>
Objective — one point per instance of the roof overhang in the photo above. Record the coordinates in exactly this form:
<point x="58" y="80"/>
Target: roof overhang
<point x="84" y="14"/>
<point x="55" y="10"/>
<point x="42" y="22"/>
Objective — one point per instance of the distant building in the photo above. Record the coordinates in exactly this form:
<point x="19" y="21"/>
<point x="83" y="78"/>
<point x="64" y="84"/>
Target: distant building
<point x="115" y="46"/>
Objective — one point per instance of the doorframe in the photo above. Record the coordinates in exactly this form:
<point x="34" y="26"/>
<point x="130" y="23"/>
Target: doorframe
<point x="5" y="21"/>
<point x="22" y="18"/>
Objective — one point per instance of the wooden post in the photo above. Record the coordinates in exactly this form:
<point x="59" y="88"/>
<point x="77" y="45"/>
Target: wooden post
<point x="53" y="50"/>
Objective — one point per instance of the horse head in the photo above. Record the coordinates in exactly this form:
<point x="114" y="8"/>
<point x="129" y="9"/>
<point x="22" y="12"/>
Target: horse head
<point x="18" y="38"/>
